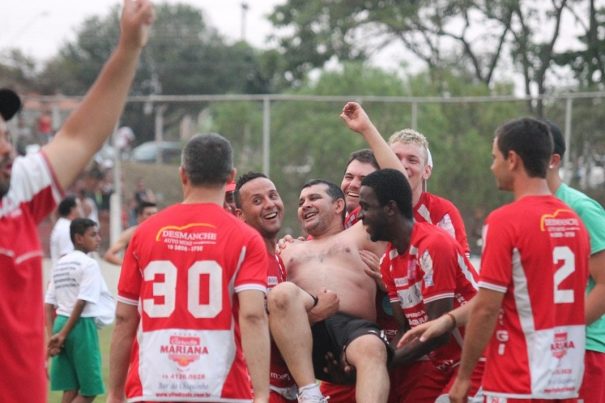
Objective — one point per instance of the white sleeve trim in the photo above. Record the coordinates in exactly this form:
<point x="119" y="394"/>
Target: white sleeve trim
<point x="251" y="286"/>
<point x="127" y="301"/>
<point x="492" y="286"/>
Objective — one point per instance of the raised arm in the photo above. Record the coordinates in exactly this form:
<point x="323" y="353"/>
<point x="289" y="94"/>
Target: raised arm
<point x="357" y="120"/>
<point x="94" y="119"/>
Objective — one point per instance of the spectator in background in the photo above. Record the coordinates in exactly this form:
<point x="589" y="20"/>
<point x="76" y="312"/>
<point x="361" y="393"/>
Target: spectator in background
<point x="44" y="127"/>
<point x="124" y="139"/>
<point x="60" y="240"/>
<point x="141" y="194"/>
<point x="113" y="254"/>
<point x="75" y="291"/>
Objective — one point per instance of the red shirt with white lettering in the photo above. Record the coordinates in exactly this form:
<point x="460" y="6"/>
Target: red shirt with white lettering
<point x="434" y="267"/>
<point x="33" y="194"/>
<point x="536" y="252"/>
<point x="183" y="269"/>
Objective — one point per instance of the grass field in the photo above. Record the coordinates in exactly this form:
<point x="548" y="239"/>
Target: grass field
<point x="104" y="339"/>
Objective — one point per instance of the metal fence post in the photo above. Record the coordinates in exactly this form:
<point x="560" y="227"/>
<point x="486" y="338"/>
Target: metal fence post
<point x="266" y="134"/>
<point x="415" y="115"/>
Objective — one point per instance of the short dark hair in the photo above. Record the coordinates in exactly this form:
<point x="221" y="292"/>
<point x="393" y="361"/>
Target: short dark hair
<point x="242" y="180"/>
<point x="365" y="155"/>
<point x="333" y="191"/>
<point x="66" y="205"/>
<point x="390" y="184"/>
<point x="557" y="137"/>
<point x="531" y="140"/>
<point x="142" y="206"/>
<point x="79" y="226"/>
<point x="207" y="159"/>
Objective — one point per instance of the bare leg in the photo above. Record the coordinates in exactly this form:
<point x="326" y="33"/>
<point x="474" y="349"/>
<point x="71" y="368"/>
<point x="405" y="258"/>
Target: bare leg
<point x="69" y="396"/>
<point x="369" y="357"/>
<point x="83" y="399"/>
<point x="291" y="331"/>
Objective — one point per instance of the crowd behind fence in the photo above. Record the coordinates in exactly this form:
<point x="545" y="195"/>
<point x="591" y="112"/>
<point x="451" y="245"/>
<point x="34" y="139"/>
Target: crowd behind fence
<point x="294" y="138"/>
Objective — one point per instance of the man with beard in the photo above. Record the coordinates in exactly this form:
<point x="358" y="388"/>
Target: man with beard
<point x="32" y="186"/>
<point x="330" y="260"/>
<point x="361" y="163"/>
<point x="259" y="205"/>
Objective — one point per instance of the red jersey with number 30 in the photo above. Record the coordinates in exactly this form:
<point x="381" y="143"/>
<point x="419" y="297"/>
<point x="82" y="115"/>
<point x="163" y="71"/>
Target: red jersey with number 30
<point x="536" y="253"/>
<point x="435" y="267"/>
<point x="183" y="269"/>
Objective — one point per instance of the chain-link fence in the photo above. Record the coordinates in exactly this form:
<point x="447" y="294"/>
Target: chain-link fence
<point x="295" y="138"/>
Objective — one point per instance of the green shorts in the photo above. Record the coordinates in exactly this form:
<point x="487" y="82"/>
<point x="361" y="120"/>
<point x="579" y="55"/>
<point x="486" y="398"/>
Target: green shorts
<point x="78" y="366"/>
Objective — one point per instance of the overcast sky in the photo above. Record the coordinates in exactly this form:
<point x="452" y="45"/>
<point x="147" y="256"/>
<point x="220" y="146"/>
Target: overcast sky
<point x="40" y="27"/>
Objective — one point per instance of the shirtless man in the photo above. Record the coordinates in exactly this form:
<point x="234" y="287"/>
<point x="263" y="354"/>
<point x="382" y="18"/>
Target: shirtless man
<point x="330" y="260"/>
<point x="113" y="255"/>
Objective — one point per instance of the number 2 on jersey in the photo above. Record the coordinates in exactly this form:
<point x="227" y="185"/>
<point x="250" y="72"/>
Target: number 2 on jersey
<point x="166" y="289"/>
<point x="565" y="255"/>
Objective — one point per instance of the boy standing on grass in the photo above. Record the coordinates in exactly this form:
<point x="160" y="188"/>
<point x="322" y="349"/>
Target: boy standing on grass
<point x="75" y="291"/>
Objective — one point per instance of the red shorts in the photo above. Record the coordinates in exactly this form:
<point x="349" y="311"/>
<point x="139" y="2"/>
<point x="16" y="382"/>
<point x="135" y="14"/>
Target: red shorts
<point x="338" y="393"/>
<point x="593" y="383"/>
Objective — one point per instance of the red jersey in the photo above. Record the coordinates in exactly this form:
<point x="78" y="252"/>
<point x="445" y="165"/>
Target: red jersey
<point x="442" y="213"/>
<point x="435" y="267"/>
<point x="352" y="217"/>
<point x="281" y="380"/>
<point x="536" y="253"/>
<point x="33" y="194"/>
<point x="183" y="269"/>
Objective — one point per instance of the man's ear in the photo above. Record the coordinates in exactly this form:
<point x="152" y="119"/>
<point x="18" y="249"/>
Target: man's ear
<point x="555" y="161"/>
<point x="391" y="207"/>
<point x="239" y="214"/>
<point x="183" y="175"/>
<point x="340" y="205"/>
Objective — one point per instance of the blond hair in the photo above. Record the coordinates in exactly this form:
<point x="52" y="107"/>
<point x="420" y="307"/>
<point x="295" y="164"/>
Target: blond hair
<point x="411" y="136"/>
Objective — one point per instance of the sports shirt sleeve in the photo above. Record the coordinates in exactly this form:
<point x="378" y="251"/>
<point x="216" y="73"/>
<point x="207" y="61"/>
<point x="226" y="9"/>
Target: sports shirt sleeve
<point x="50" y="296"/>
<point x="455" y="218"/>
<point x="593" y="217"/>
<point x="37" y="185"/>
<point x="129" y="285"/>
<point x="90" y="282"/>
<point x="253" y="270"/>
<point x="438" y="261"/>
<point x="496" y="259"/>
<point x="387" y="278"/>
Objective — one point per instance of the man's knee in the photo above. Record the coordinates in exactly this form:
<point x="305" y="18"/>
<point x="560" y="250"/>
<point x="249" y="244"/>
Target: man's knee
<point x="368" y="349"/>
<point x="283" y="297"/>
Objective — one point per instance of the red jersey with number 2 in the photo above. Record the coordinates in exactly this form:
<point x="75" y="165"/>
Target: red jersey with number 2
<point x="536" y="253"/>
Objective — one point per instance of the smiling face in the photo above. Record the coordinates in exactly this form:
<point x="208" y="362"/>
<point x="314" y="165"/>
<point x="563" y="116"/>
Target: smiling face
<point x="351" y="182"/>
<point x="262" y="207"/>
<point x="414" y="159"/>
<point x="317" y="210"/>
<point x="373" y="215"/>
<point x="7" y="156"/>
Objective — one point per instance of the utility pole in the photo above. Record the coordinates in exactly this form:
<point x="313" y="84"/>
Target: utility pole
<point x="245" y="8"/>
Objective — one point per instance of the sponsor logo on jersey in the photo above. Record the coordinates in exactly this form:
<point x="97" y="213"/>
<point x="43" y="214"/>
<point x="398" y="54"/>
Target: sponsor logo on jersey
<point x="184" y="349"/>
<point x="426" y="264"/>
<point x="561" y="344"/>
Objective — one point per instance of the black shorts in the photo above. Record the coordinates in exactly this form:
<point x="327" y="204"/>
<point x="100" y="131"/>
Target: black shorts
<point x="335" y="334"/>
